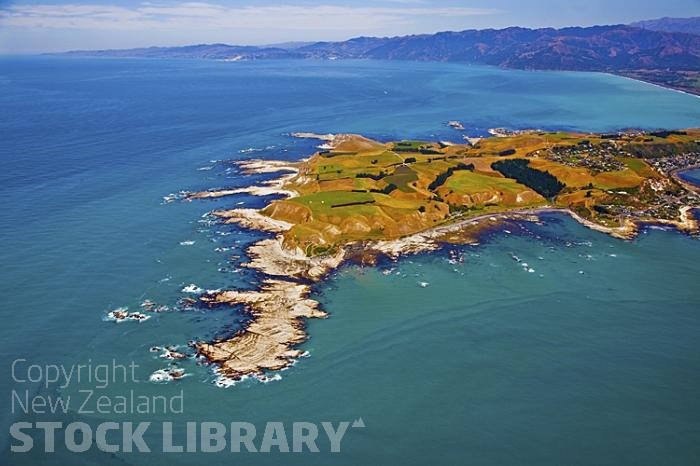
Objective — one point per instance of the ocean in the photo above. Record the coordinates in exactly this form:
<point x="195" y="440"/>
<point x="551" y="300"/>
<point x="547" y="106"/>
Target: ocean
<point x="592" y="359"/>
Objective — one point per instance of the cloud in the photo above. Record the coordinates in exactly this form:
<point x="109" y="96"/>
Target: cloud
<point x="199" y="15"/>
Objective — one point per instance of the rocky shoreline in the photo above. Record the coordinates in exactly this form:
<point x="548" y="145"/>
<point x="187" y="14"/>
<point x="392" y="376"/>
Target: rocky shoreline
<point x="282" y="303"/>
<point x="268" y="188"/>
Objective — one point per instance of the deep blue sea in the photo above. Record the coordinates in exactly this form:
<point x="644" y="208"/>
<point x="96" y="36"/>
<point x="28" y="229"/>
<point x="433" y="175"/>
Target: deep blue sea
<point x="592" y="359"/>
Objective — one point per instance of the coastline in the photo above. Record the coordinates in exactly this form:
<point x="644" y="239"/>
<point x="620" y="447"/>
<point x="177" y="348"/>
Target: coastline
<point x="676" y="174"/>
<point x="268" y="188"/>
<point x="282" y="302"/>
<point x="669" y="88"/>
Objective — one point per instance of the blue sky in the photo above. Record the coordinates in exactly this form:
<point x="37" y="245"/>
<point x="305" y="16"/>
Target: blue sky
<point x="49" y="25"/>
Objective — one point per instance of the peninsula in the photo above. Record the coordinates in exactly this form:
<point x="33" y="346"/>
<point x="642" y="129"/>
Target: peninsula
<point x="358" y="199"/>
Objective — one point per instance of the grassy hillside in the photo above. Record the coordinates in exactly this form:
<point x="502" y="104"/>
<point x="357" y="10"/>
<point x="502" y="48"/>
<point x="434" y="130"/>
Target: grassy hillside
<point x="366" y="190"/>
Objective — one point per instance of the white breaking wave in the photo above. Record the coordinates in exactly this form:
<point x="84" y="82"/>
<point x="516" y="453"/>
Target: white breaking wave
<point x="167" y="375"/>
<point x="193" y="289"/>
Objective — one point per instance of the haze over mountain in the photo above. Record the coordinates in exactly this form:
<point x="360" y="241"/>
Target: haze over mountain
<point x="687" y="25"/>
<point x="593" y="48"/>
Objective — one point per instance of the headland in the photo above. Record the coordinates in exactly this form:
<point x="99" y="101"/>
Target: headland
<point x="359" y="199"/>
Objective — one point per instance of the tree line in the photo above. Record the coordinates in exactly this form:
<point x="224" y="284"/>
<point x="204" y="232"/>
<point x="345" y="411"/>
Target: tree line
<point x="543" y="183"/>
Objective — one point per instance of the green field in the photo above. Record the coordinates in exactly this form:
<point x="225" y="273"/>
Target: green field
<point x="341" y="199"/>
<point x="470" y="182"/>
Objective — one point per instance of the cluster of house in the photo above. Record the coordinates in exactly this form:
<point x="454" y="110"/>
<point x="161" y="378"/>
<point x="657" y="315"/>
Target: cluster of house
<point x="597" y="158"/>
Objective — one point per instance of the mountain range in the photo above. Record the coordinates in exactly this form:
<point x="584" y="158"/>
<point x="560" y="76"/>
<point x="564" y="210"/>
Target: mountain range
<point x="665" y="57"/>
<point x="687" y="25"/>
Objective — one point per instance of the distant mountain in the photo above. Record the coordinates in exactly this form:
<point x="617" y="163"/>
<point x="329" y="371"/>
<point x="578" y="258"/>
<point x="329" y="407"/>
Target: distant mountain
<point x="206" y="51"/>
<point x="658" y="56"/>
<point x="289" y="45"/>
<point x="686" y="25"/>
<point x="599" y="48"/>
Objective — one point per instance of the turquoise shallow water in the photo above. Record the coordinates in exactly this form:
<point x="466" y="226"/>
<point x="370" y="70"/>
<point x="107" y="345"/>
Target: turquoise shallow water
<point x="487" y="365"/>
